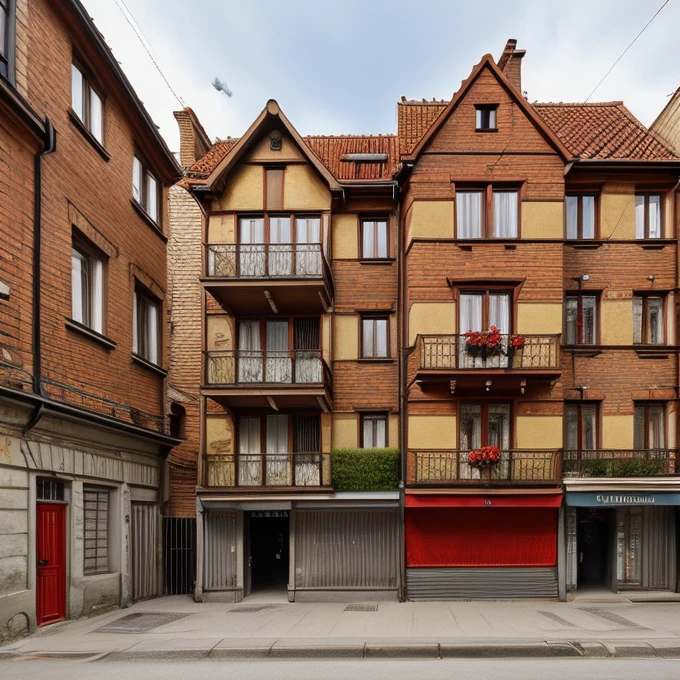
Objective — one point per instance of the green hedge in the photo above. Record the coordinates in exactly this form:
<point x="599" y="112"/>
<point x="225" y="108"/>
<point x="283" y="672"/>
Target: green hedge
<point x="622" y="467"/>
<point x="365" y="469"/>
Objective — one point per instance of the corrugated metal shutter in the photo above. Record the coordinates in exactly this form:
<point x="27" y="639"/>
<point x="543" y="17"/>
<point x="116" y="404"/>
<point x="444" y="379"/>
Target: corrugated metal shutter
<point x="658" y="548"/>
<point x="220" y="551"/>
<point x="144" y="539"/>
<point x="490" y="583"/>
<point x="347" y="549"/>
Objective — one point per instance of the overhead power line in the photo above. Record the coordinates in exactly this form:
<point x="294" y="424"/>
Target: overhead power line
<point x="626" y="50"/>
<point x="145" y="44"/>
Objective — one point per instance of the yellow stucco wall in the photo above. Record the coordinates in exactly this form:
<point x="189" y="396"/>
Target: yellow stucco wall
<point x="244" y="189"/>
<point x="304" y="190"/>
<point x="222" y="229"/>
<point x="542" y="219"/>
<point x="326" y="432"/>
<point x="326" y="338"/>
<point x="539" y="318"/>
<point x="431" y="219"/>
<point x="617" y="432"/>
<point x="393" y="430"/>
<point x="538" y="432"/>
<point x="431" y="432"/>
<point x="617" y="211"/>
<point x="431" y="318"/>
<point x="345" y="237"/>
<point x="219" y="434"/>
<point x="261" y="151"/>
<point x="219" y="332"/>
<point x="346" y="342"/>
<point x="345" y="433"/>
<point x="616" y="322"/>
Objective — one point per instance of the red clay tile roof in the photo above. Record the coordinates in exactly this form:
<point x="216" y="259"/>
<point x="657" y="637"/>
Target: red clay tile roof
<point x="599" y="131"/>
<point x="330" y="151"/>
<point x="413" y="121"/>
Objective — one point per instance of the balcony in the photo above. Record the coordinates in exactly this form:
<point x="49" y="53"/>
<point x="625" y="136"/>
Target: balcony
<point x="255" y="471"/>
<point x="517" y="467"/>
<point x="269" y="378"/>
<point x="622" y="463"/>
<point x="255" y="279"/>
<point x="448" y="357"/>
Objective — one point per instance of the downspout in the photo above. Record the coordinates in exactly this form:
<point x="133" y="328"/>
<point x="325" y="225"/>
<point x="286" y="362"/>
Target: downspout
<point x="403" y="357"/>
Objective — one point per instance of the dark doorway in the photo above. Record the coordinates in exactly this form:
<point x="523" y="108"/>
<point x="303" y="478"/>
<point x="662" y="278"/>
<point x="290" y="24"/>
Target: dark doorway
<point x="269" y="550"/>
<point x="594" y="560"/>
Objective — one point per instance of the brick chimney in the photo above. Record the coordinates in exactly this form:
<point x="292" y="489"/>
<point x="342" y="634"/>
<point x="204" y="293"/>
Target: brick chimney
<point x="194" y="142"/>
<point x="511" y="63"/>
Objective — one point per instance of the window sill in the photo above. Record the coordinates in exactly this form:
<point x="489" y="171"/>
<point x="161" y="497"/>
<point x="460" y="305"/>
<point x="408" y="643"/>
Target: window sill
<point x="486" y="129"/>
<point x="376" y="360"/>
<point x="148" y="219"/>
<point x="80" y="126"/>
<point x="651" y="244"/>
<point x="377" y="260"/>
<point x="584" y="244"/>
<point x="89" y="333"/>
<point x="147" y="364"/>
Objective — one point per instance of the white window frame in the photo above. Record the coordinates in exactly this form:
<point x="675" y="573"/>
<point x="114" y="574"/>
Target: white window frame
<point x="88" y="273"/>
<point x="145" y="187"/>
<point x="87" y="103"/>
<point x="146" y="327"/>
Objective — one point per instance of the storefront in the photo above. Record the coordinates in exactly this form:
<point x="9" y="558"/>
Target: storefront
<point x="621" y="539"/>
<point x="491" y="546"/>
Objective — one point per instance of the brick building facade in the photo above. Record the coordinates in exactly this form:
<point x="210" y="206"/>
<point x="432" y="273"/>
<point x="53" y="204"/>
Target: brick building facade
<point x="83" y="349"/>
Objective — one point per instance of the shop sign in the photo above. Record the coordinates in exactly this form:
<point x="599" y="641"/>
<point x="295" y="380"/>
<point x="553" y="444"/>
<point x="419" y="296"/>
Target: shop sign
<point x="621" y="498"/>
<point x="269" y="513"/>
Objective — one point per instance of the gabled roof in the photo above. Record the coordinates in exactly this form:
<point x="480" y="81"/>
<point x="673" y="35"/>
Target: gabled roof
<point x="270" y="117"/>
<point x="414" y="119"/>
<point x="489" y="63"/>
<point x="602" y="131"/>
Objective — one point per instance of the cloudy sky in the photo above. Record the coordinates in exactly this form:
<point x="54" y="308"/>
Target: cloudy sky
<point x="339" y="68"/>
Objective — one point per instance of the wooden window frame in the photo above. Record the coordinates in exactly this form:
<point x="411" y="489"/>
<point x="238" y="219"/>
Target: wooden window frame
<point x="147" y="299"/>
<point x="378" y="219"/>
<point x="268" y="215"/>
<point x="580" y="195"/>
<point x="486" y="291"/>
<point x="579" y="295"/>
<point x="374" y="415"/>
<point x="485" y="419"/>
<point x="290" y="318"/>
<point x="103" y="495"/>
<point x="646" y="195"/>
<point x="7" y="59"/>
<point x="644" y="329"/>
<point x="143" y="201"/>
<point x="374" y="317"/>
<point x="269" y="195"/>
<point x="88" y="88"/>
<point x="90" y="253"/>
<point x="487" y="190"/>
<point x="262" y="415"/>
<point x="480" y="110"/>
<point x="579" y="422"/>
<point x="645" y="405"/>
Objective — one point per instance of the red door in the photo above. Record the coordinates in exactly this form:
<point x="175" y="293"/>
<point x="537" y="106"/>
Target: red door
<point x="51" y="555"/>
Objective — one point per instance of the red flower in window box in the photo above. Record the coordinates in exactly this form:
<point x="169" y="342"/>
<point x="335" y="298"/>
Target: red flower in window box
<point x="484" y="457"/>
<point x="490" y="343"/>
<point x="517" y="341"/>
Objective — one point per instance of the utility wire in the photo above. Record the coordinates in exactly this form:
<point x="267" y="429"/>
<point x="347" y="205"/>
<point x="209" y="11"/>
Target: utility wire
<point x="145" y="44"/>
<point x="626" y="50"/>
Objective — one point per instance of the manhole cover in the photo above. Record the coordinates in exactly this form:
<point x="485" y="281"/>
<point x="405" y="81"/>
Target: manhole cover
<point x="138" y="623"/>
<point x="361" y="608"/>
<point x="250" y="609"/>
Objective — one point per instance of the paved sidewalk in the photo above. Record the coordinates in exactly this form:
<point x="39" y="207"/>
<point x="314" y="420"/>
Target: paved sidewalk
<point x="263" y="626"/>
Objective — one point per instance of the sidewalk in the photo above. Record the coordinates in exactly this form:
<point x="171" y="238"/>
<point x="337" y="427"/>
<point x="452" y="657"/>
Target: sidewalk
<point x="262" y="626"/>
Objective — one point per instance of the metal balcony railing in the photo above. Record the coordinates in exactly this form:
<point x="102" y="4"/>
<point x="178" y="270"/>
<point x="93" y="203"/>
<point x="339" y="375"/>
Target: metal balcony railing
<point x="267" y="261"/>
<point x="453" y="353"/>
<point x="450" y="467"/>
<point x="621" y="462"/>
<point x="252" y="367"/>
<point x="267" y="470"/>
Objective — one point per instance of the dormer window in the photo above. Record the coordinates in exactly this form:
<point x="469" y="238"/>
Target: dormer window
<point x="485" y="117"/>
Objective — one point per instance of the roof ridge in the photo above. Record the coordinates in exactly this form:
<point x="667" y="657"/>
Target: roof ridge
<point x="611" y="103"/>
<point x="378" y="135"/>
<point x="422" y="102"/>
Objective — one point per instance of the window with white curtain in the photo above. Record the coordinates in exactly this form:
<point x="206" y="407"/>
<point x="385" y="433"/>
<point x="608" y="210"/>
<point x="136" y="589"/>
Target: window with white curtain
<point x="374" y="338"/>
<point x="580" y="215"/>
<point x="505" y="214"/>
<point x="86" y="103"/>
<point x="374" y="430"/>
<point x="469" y="214"/>
<point x="145" y="187"/>
<point x="87" y="285"/>
<point x="487" y="213"/>
<point x="374" y="239"/>
<point x="648" y="216"/>
<point x="146" y="326"/>
<point x="648" y="322"/>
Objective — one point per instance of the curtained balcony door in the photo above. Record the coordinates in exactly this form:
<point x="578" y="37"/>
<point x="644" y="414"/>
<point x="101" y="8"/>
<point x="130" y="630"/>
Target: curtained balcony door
<point x="308" y="246"/>
<point x="478" y="312"/>
<point x="251" y="247"/>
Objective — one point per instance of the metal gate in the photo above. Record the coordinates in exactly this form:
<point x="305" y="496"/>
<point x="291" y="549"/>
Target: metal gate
<point x="144" y="550"/>
<point x="220" y="551"/>
<point x="179" y="555"/>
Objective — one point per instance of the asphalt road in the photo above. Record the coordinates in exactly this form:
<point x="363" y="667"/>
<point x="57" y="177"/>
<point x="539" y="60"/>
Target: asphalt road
<point x="557" y="669"/>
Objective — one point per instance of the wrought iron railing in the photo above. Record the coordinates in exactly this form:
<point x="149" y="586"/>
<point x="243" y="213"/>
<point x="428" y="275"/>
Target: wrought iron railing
<point x="453" y="352"/>
<point x="621" y="462"/>
<point x="516" y="466"/>
<point x="252" y="367"/>
<point x="266" y="261"/>
<point x="267" y="470"/>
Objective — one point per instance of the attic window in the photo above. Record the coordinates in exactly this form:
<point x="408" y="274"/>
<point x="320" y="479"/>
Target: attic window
<point x="364" y="158"/>
<point x="485" y="117"/>
<point x="275" y="141"/>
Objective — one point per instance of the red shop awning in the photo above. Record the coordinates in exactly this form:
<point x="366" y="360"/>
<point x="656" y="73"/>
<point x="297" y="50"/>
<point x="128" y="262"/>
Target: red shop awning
<point x="553" y="500"/>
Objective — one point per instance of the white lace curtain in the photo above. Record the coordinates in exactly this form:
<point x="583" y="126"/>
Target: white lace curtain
<point x="505" y="214"/>
<point x="469" y="214"/>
